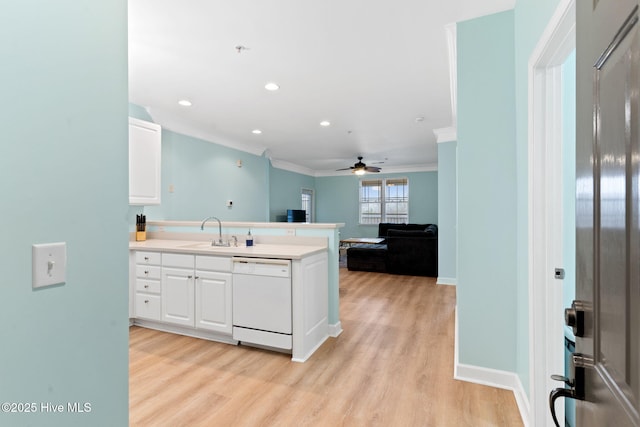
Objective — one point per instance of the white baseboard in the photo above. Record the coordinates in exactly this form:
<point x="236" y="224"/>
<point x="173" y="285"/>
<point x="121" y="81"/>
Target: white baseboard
<point x="447" y="281"/>
<point x="335" y="330"/>
<point x="493" y="378"/>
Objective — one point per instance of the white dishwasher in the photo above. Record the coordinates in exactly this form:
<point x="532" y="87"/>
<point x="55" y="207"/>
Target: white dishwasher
<point x="262" y="301"/>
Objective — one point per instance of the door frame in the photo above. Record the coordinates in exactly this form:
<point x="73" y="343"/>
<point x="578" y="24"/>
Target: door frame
<point x="546" y="325"/>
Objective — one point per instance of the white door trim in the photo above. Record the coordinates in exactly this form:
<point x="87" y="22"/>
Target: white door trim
<point x="546" y="336"/>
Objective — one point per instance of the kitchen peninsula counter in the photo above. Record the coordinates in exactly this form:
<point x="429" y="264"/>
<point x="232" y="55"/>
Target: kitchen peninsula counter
<point x="200" y="247"/>
<point x="281" y="240"/>
<point x="181" y="283"/>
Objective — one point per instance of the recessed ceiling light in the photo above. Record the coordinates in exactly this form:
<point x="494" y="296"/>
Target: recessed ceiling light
<point x="271" y="86"/>
<point x="325" y="123"/>
<point x="419" y="119"/>
<point x="185" y="103"/>
<point x="256" y="131"/>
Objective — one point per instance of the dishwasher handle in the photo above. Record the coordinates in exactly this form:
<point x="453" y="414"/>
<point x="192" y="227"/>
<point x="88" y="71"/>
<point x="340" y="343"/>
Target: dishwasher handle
<point x="262" y="267"/>
<point x="275" y="261"/>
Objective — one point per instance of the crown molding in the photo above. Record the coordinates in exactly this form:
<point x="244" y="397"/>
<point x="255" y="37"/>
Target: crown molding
<point x="431" y="167"/>
<point x="446" y="134"/>
<point x="262" y="151"/>
<point x="168" y="123"/>
<point x="292" y="167"/>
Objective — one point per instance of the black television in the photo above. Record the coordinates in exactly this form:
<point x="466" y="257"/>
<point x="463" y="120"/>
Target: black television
<point x="296" y="215"/>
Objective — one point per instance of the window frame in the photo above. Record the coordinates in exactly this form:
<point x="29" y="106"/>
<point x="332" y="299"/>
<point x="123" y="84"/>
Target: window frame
<point x="381" y="201"/>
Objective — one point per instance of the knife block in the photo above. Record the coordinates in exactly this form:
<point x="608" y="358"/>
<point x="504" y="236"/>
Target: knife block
<point x="141" y="236"/>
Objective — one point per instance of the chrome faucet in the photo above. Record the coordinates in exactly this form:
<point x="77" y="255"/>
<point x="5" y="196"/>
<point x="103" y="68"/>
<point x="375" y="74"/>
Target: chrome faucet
<point x="219" y="242"/>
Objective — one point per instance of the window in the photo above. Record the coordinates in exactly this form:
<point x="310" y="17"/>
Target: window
<point x="307" y="204"/>
<point x="384" y="200"/>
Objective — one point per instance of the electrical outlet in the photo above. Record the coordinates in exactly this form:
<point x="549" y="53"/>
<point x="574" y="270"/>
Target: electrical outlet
<point x="291" y="231"/>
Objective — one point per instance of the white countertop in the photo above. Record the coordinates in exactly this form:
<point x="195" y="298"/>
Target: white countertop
<point x="261" y="250"/>
<point x="247" y="224"/>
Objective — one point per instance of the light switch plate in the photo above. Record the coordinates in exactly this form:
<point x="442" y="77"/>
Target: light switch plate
<point x="49" y="264"/>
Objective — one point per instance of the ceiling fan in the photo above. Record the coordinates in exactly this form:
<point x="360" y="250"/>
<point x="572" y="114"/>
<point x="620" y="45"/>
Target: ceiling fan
<point x="360" y="168"/>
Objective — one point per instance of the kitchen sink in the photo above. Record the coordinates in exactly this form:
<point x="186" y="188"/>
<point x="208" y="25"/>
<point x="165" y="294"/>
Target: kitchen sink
<point x="208" y="246"/>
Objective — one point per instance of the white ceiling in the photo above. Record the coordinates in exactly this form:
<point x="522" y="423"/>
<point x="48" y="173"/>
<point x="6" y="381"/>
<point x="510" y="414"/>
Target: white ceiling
<point x="370" y="67"/>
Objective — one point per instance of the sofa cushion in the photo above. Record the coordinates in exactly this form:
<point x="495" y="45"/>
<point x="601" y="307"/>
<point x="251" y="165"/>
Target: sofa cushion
<point x="409" y="233"/>
<point x="384" y="227"/>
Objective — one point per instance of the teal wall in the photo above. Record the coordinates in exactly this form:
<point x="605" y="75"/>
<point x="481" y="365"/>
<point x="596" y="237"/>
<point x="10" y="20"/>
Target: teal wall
<point x="487" y="287"/>
<point x="64" y="178"/>
<point x="447" y="212"/>
<point x="493" y="56"/>
<point x="285" y="191"/>
<point x="337" y="201"/>
<point x="204" y="176"/>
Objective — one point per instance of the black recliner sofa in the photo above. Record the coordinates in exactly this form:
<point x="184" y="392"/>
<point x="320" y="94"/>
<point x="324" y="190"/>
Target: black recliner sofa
<point x="410" y="249"/>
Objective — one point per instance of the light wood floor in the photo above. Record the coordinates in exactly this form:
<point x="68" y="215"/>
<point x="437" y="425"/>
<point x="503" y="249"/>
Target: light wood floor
<point x="392" y="366"/>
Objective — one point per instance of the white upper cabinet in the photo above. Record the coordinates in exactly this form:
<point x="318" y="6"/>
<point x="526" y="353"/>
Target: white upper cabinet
<point x="144" y="162"/>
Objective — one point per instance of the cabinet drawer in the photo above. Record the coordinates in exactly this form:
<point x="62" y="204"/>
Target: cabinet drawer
<point x="148" y="271"/>
<point x="148" y="285"/>
<point x="148" y="306"/>
<point x="148" y="258"/>
<point x="213" y="263"/>
<point x="178" y="260"/>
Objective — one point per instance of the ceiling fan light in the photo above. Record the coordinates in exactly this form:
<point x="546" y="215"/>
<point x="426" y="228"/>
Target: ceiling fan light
<point x="359" y="171"/>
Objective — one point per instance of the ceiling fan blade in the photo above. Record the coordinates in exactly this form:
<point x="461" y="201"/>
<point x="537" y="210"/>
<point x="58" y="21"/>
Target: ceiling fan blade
<point x="360" y="166"/>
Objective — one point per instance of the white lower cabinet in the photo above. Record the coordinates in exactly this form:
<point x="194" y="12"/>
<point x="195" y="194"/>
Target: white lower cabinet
<point x="192" y="295"/>
<point x="195" y="295"/>
<point x="177" y="296"/>
<point x="148" y="306"/>
<point x="213" y="301"/>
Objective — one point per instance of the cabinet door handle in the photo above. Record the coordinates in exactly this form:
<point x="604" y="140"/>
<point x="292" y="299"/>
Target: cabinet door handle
<point x="197" y="277"/>
<point x="146" y="258"/>
<point x="146" y="272"/>
<point x="189" y="277"/>
<point x="146" y="301"/>
<point x="146" y="286"/>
